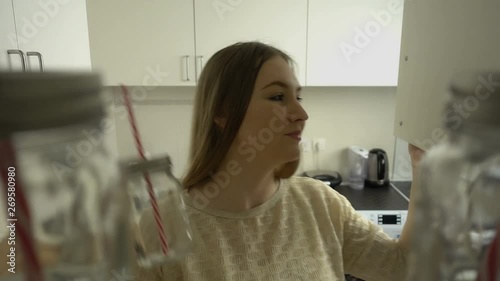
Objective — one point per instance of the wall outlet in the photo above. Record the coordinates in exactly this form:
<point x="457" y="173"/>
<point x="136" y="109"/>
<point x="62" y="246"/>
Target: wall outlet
<point x="306" y="145"/>
<point x="319" y="144"/>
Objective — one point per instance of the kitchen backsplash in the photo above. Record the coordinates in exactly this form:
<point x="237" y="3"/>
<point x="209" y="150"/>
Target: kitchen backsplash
<point x="344" y="116"/>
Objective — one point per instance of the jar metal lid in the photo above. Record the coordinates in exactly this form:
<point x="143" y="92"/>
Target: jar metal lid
<point x="35" y="101"/>
<point x="157" y="164"/>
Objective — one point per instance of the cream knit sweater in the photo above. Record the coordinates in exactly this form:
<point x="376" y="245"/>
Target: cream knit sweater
<point x="305" y="231"/>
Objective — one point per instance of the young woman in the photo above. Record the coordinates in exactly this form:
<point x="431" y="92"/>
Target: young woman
<point x="251" y="219"/>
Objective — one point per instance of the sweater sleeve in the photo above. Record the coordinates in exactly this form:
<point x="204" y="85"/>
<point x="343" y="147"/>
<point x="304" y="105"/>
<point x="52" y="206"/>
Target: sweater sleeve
<point x="368" y="252"/>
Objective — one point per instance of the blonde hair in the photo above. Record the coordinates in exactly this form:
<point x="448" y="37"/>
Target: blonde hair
<point x="224" y="91"/>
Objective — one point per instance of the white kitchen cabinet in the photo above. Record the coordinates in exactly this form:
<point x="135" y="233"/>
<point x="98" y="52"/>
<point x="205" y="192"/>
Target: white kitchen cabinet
<point x="441" y="39"/>
<point x="53" y="34"/>
<point x="138" y="42"/>
<point x="11" y="58"/>
<point x="354" y="42"/>
<point x="282" y="23"/>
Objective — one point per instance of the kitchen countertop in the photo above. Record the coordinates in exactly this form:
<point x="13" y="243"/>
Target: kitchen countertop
<point x="404" y="187"/>
<point x="371" y="198"/>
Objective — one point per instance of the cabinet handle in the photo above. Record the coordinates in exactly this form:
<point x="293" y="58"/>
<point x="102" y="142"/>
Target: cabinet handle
<point x="186" y="61"/>
<point x="201" y="62"/>
<point x="21" y="54"/>
<point x="39" y="56"/>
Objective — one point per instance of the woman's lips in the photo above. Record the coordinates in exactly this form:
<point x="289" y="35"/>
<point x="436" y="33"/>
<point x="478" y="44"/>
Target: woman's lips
<point x="295" y="135"/>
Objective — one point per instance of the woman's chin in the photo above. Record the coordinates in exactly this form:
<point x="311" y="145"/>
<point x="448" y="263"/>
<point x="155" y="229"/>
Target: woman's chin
<point x="291" y="155"/>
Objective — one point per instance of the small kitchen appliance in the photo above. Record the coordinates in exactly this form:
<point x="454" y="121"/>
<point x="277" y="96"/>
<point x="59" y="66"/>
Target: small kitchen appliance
<point x="378" y="168"/>
<point x="358" y="167"/>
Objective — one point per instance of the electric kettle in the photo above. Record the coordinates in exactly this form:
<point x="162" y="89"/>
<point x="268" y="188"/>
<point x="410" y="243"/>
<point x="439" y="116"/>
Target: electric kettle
<point x="378" y="168"/>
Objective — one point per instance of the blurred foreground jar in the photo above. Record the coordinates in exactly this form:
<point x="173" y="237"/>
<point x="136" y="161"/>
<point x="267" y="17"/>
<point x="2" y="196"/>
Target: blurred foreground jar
<point x="458" y="209"/>
<point x="54" y="124"/>
<point x="160" y="225"/>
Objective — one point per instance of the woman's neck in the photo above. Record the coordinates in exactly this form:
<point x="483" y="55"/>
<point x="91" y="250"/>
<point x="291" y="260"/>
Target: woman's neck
<point x="237" y="187"/>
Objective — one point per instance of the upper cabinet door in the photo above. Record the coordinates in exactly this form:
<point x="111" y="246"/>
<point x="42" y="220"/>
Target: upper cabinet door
<point x="53" y="34"/>
<point x="281" y="23"/>
<point x="8" y="39"/>
<point x="138" y="42"/>
<point x="354" y="42"/>
<point x="440" y="40"/>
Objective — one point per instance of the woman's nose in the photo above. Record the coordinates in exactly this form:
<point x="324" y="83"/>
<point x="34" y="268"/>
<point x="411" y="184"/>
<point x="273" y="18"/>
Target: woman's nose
<point x="296" y="112"/>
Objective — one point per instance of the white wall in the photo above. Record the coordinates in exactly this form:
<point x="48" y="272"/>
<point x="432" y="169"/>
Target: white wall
<point x="348" y="116"/>
<point x="402" y="163"/>
<point x="344" y="116"/>
<point x="164" y="120"/>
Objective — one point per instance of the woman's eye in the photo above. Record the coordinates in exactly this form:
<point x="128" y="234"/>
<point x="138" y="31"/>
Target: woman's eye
<point x="277" y="97"/>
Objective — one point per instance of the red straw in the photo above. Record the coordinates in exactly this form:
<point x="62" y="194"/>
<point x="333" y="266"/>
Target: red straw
<point x="22" y="214"/>
<point x="140" y="149"/>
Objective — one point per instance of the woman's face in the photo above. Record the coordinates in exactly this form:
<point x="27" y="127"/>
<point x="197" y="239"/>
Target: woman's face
<point x="272" y="126"/>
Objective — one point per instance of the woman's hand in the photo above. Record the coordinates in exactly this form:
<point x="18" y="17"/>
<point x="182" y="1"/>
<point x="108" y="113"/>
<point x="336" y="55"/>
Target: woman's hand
<point x="416" y="155"/>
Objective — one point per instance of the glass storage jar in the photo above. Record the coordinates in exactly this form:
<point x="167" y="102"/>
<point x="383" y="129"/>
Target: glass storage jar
<point x="457" y="207"/>
<point x="60" y="180"/>
<point x="160" y="225"/>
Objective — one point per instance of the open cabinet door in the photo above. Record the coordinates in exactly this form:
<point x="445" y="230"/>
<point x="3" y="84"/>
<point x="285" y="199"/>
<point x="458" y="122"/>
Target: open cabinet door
<point x="440" y="39"/>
